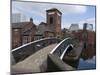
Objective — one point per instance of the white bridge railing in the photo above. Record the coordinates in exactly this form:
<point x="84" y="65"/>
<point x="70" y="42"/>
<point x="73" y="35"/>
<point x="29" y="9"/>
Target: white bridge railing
<point x="62" y="47"/>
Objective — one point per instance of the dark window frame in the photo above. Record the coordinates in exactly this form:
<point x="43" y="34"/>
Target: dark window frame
<point x="51" y="20"/>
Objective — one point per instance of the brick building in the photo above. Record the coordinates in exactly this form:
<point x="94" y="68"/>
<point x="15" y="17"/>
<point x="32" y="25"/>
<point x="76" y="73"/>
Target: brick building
<point x="22" y="32"/>
<point x="54" y="21"/>
<point x="52" y="27"/>
<point x="74" y="28"/>
<point x="90" y="39"/>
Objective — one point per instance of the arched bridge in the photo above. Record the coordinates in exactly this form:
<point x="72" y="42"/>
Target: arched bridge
<point x="42" y="55"/>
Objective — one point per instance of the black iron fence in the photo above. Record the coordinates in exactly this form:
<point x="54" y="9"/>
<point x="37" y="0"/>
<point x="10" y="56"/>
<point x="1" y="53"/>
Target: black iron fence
<point x="62" y="47"/>
<point x="26" y="50"/>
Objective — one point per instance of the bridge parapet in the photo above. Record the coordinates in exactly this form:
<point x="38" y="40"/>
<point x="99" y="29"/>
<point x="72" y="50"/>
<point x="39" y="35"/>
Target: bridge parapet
<point x="26" y="50"/>
<point x="55" y="64"/>
<point x="62" y="47"/>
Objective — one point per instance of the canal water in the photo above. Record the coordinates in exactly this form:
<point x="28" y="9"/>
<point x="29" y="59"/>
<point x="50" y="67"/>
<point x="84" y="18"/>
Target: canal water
<point x="87" y="64"/>
<point x="88" y="59"/>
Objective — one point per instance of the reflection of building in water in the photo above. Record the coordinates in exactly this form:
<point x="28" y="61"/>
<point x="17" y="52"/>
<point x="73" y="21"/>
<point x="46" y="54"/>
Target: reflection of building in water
<point x="88" y="53"/>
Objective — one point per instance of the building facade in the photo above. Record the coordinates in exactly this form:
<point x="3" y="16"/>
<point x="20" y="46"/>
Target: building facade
<point x="87" y="36"/>
<point x="74" y="28"/>
<point x="22" y="33"/>
<point x="52" y="27"/>
<point x="54" y="21"/>
<point x="18" y="17"/>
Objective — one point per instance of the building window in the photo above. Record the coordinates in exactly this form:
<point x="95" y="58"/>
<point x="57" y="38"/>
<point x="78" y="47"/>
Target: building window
<point x="15" y="30"/>
<point x="25" y="39"/>
<point x="51" y="20"/>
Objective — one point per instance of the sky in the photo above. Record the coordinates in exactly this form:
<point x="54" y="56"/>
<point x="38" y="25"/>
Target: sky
<point x="77" y="14"/>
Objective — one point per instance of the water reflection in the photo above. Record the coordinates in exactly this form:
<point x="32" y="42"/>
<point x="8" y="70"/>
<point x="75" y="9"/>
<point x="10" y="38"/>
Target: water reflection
<point x="88" y="53"/>
<point x="87" y="64"/>
<point x="88" y="59"/>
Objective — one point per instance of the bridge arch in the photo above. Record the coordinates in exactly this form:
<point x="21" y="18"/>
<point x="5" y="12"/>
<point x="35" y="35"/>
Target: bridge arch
<point x="62" y="47"/>
<point x="68" y="49"/>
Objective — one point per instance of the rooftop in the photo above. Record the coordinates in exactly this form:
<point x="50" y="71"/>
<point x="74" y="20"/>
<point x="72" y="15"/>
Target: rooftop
<point x="53" y="9"/>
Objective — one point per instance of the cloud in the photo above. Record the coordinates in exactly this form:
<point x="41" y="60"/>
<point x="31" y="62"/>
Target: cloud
<point x="38" y="11"/>
<point x="76" y="9"/>
<point x="39" y="8"/>
<point x="65" y="25"/>
<point x="26" y="8"/>
<point x="89" y="20"/>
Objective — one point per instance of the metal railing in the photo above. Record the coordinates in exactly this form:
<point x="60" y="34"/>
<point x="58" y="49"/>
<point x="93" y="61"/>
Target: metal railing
<point x="62" y="47"/>
<point x="26" y="50"/>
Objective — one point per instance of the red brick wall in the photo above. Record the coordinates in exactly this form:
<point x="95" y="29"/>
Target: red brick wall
<point x="91" y="37"/>
<point x="16" y="38"/>
<point x="56" y="26"/>
<point x="32" y="30"/>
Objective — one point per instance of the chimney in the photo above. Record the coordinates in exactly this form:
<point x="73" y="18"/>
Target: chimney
<point x="31" y="20"/>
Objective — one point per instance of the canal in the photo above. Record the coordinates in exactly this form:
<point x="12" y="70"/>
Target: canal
<point x="87" y="59"/>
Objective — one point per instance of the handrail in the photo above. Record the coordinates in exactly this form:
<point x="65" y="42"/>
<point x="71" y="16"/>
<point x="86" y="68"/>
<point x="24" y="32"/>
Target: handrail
<point x="32" y="42"/>
<point x="26" y="50"/>
<point x="59" y="45"/>
<point x="62" y="47"/>
<point x="65" y="50"/>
